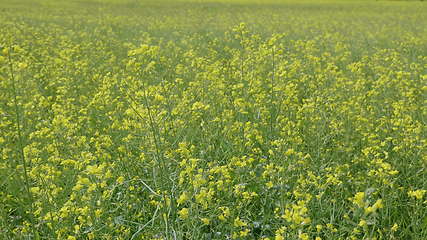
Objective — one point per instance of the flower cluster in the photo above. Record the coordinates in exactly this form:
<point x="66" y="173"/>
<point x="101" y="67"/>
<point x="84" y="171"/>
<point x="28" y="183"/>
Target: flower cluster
<point x="174" y="121"/>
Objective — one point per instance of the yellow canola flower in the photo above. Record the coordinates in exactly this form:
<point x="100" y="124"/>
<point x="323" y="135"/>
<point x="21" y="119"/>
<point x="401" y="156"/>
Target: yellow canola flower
<point x="183" y="213"/>
<point x="35" y="190"/>
<point x="120" y="180"/>
<point x="221" y="217"/>
<point x="418" y="194"/>
<point x="182" y="198"/>
<point x="205" y="221"/>
<point x="279" y="233"/>
<point x="395" y="227"/>
<point x="244" y="233"/>
<point x="289" y="152"/>
<point x="303" y="236"/>
<point x="225" y="213"/>
<point x="358" y="199"/>
<point x="378" y="204"/>
<point x="363" y="223"/>
<point x="95" y="170"/>
<point x="239" y="223"/>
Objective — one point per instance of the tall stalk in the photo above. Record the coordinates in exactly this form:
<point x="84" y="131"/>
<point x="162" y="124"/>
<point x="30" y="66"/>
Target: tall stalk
<point x="19" y="131"/>
<point x="154" y="129"/>
<point x="272" y="115"/>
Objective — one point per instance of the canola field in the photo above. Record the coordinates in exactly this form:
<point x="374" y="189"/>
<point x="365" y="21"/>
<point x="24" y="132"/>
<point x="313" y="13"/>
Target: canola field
<point x="239" y="119"/>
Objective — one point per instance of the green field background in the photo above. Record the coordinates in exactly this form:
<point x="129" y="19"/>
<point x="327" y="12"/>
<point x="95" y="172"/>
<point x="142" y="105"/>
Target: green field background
<point x="242" y="119"/>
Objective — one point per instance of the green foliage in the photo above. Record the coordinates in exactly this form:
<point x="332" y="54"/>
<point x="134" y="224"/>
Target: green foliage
<point x="187" y="119"/>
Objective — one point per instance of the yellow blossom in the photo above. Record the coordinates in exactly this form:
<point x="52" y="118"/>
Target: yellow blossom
<point x="183" y="213"/>
<point x="418" y="194"/>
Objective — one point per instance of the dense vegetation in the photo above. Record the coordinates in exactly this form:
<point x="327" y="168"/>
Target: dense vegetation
<point x="213" y="120"/>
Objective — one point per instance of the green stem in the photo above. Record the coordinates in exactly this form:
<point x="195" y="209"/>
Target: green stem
<point x="19" y="132"/>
